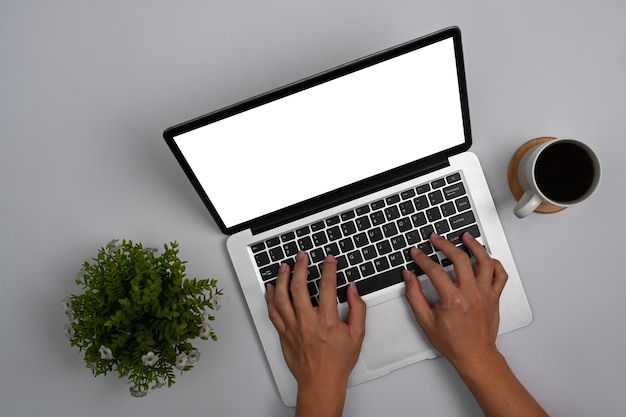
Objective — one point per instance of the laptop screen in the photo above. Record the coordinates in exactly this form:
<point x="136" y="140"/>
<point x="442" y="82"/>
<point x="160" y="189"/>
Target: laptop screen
<point x="327" y="136"/>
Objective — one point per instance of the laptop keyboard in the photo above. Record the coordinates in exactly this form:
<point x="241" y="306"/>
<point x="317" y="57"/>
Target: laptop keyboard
<point x="371" y="243"/>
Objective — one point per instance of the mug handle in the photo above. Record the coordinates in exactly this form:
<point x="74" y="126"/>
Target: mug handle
<point x="527" y="204"/>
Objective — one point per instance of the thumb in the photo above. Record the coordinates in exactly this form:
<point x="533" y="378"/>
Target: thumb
<point x="356" y="313"/>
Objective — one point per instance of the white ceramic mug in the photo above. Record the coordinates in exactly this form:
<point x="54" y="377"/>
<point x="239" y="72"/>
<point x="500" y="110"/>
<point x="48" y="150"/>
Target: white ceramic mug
<point x="562" y="172"/>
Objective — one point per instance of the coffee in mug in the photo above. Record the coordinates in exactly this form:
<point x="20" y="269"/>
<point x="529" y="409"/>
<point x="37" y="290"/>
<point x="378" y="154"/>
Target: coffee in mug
<point x="561" y="172"/>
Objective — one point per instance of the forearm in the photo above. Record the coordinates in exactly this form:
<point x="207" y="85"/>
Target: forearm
<point x="496" y="389"/>
<point x="321" y="401"/>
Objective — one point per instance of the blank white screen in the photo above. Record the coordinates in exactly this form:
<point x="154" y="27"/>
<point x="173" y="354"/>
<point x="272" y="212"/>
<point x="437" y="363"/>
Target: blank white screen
<point x="328" y="136"/>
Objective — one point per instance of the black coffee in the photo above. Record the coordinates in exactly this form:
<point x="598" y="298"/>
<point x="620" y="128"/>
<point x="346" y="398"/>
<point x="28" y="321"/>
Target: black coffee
<point x="564" y="172"/>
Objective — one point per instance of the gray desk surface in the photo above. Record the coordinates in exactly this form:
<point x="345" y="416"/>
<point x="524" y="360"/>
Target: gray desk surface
<point x="87" y="89"/>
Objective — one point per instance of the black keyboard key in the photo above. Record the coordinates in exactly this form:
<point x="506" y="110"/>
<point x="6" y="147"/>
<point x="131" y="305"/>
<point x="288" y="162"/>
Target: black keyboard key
<point x="398" y="242"/>
<point x="331" y="221"/>
<point x="435" y="197"/>
<point x="455" y="237"/>
<point x="442" y="227"/>
<point x="360" y="240"/>
<point x="269" y="272"/>
<point x="276" y="254"/>
<point x="379" y="281"/>
<point x="319" y="238"/>
<point x="366" y="270"/>
<point x="396" y="259"/>
<point x="383" y="247"/>
<point x="291" y="249"/>
<point x="407" y="194"/>
<point x="312" y="288"/>
<point x="426" y="231"/>
<point x="334" y="233"/>
<point x="426" y="247"/>
<point x="446" y="262"/>
<point x="341" y="279"/>
<point x="456" y="177"/>
<point x="317" y="226"/>
<point x="448" y="209"/>
<point x="375" y="234"/>
<point x="433" y="214"/>
<point x="257" y="247"/>
<point x="423" y="189"/>
<point x="413" y="237"/>
<point x="381" y="264"/>
<point x="348" y="215"/>
<point x="272" y="242"/>
<point x="303" y="231"/>
<point x="346" y="245"/>
<point x="362" y="210"/>
<point x="363" y="223"/>
<point x="342" y="263"/>
<point x="287" y="236"/>
<point x="389" y="229"/>
<point x="406" y="208"/>
<point x="461" y="220"/>
<point x="342" y="294"/>
<point x="438" y="183"/>
<point x="314" y="273"/>
<point x="317" y="255"/>
<point x="377" y="218"/>
<point x="404" y="224"/>
<point x="412" y="266"/>
<point x="355" y="257"/>
<point x="392" y="199"/>
<point x="419" y="219"/>
<point x="392" y="213"/>
<point x="332" y="249"/>
<point x="454" y="191"/>
<point x="462" y="204"/>
<point x="262" y="259"/>
<point x="377" y="205"/>
<point x="305" y="243"/>
<point x="369" y="252"/>
<point x="352" y="274"/>
<point x="348" y="228"/>
<point x="421" y="203"/>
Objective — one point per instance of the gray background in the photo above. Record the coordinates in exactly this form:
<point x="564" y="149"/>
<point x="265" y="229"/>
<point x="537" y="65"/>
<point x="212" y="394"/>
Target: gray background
<point x="86" y="89"/>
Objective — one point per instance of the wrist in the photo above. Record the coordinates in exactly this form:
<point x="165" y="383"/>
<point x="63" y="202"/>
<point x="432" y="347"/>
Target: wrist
<point x="321" y="399"/>
<point x="470" y="365"/>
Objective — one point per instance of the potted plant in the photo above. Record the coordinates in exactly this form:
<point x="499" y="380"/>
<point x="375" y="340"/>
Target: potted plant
<point x="138" y="314"/>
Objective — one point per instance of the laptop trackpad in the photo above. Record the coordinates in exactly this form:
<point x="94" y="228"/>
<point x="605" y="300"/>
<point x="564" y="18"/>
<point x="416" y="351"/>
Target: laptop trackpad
<point x="392" y="336"/>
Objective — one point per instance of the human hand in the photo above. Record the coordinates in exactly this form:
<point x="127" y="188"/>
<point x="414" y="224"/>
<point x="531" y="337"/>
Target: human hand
<point x="320" y="349"/>
<point x="464" y="324"/>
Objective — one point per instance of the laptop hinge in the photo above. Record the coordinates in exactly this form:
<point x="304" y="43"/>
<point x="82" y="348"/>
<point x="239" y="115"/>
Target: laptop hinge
<point x="351" y="192"/>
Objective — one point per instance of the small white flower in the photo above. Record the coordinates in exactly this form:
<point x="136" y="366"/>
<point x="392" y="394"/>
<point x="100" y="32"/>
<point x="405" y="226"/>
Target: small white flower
<point x="150" y="359"/>
<point x="92" y="365"/>
<point x="150" y="250"/>
<point x="81" y="274"/>
<point x="105" y="352"/>
<point x="68" y="331"/>
<point x="217" y="303"/>
<point x="137" y="392"/>
<point x="205" y="329"/>
<point x="193" y="356"/>
<point x="181" y="361"/>
<point x="112" y="245"/>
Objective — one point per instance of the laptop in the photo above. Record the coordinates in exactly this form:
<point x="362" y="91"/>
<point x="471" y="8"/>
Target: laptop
<point x="363" y="161"/>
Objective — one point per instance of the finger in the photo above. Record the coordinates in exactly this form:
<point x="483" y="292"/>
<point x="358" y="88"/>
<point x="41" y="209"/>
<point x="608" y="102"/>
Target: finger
<point x="500" y="277"/>
<point x="485" y="264"/>
<point x="279" y="297"/>
<point x="422" y="310"/>
<point x="356" y="313"/>
<point x="328" y="288"/>
<point x="439" y="278"/>
<point x="299" y="289"/>
<point x="272" y="311"/>
<point x="460" y="260"/>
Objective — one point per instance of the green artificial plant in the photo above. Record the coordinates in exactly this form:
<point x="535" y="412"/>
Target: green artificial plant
<point x="138" y="314"/>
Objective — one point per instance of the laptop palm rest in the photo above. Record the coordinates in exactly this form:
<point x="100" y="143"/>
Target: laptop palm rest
<point x="393" y="337"/>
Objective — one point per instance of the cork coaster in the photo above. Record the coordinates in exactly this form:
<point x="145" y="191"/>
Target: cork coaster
<point x="516" y="189"/>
